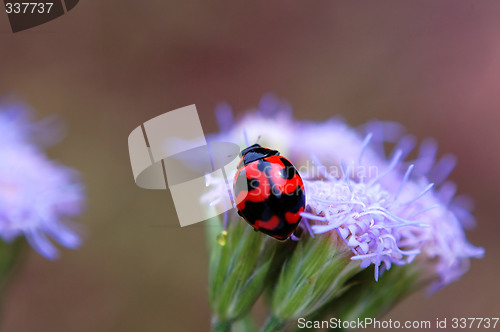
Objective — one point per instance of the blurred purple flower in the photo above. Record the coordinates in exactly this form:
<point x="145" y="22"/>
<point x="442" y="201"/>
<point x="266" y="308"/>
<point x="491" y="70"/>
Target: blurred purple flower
<point x="402" y="212"/>
<point x="36" y="194"/>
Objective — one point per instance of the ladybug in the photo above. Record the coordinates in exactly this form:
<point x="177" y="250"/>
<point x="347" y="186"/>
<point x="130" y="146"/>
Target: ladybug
<point x="269" y="192"/>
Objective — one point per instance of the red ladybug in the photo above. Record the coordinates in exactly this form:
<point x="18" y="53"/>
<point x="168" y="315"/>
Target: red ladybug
<point x="269" y="192"/>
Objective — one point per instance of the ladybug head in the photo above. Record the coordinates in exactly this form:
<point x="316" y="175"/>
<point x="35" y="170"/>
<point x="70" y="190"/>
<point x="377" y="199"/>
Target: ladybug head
<point x="255" y="152"/>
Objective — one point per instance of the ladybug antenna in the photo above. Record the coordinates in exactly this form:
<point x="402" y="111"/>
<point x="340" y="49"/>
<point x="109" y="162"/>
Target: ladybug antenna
<point x="258" y="139"/>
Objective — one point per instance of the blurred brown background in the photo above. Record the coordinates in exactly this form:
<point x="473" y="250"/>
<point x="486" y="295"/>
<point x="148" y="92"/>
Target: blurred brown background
<point x="106" y="67"/>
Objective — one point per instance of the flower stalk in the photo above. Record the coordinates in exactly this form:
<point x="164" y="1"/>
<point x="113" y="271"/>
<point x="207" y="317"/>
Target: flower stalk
<point x="316" y="273"/>
<point x="239" y="270"/>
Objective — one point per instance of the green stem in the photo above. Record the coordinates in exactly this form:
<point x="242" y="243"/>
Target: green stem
<point x="245" y="324"/>
<point x="219" y="326"/>
<point x="273" y="324"/>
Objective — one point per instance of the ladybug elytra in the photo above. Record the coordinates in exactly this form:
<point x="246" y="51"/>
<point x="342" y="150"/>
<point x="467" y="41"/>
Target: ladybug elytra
<point x="269" y="192"/>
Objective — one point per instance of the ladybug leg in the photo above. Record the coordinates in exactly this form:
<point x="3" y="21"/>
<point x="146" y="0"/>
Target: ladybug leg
<point x="239" y="213"/>
<point x="293" y="237"/>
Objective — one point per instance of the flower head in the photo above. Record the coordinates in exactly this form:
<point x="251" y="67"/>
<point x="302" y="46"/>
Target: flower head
<point x="387" y="211"/>
<point x="363" y="209"/>
<point x="36" y="194"/>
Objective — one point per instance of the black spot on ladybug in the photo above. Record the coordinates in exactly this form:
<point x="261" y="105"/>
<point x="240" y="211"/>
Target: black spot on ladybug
<point x="262" y="165"/>
<point x="253" y="184"/>
<point x="264" y="211"/>
<point x="289" y="171"/>
<point x="292" y="202"/>
<point x="256" y="211"/>
<point x="276" y="191"/>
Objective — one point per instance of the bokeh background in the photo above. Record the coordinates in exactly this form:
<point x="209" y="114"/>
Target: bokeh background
<point x="106" y="67"/>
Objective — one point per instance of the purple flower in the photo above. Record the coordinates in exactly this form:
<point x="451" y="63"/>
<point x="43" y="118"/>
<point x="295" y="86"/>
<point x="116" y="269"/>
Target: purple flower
<point x="386" y="210"/>
<point x="37" y="195"/>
